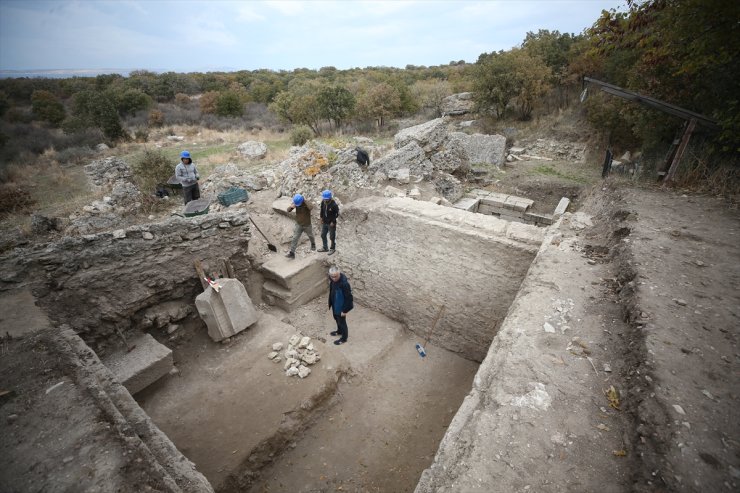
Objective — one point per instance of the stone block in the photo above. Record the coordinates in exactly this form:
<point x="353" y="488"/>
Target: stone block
<point x="296" y="274"/>
<point x="288" y="300"/>
<point x="467" y="204"/>
<point x="562" y="207"/>
<point x="227" y="312"/>
<point x="495" y="199"/>
<point x="281" y="206"/>
<point x="538" y="219"/>
<point x="518" y="203"/>
<point x="147" y="362"/>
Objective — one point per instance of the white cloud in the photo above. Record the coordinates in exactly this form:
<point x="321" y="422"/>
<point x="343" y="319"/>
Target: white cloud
<point x="287" y="7"/>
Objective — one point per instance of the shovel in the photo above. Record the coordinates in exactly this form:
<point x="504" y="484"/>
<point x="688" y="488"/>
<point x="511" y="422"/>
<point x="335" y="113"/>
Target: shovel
<point x="419" y="348"/>
<point x="270" y="246"/>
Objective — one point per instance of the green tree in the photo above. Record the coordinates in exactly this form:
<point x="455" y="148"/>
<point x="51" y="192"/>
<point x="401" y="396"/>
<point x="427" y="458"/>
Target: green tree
<point x="230" y="104"/>
<point x="46" y="107"/>
<point x="336" y="104"/>
<point x="299" y="104"/>
<point x="95" y="109"/>
<point x="495" y="83"/>
<point x="129" y="101"/>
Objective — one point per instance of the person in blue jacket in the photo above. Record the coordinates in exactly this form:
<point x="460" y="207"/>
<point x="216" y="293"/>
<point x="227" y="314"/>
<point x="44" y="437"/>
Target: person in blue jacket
<point x="340" y="302"/>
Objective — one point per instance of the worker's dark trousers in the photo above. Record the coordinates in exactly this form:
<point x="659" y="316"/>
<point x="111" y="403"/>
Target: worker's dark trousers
<point x="332" y="231"/>
<point x="191" y="193"/>
<point x="342" y="326"/>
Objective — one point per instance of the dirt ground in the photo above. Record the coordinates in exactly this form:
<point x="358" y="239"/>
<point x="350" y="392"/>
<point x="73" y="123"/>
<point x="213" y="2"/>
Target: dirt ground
<point x="229" y="404"/>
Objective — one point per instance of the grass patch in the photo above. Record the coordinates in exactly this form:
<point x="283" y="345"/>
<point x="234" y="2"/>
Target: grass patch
<point x="548" y="170"/>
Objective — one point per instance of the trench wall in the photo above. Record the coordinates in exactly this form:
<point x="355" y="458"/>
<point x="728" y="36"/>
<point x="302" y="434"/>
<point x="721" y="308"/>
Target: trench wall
<point x="128" y="280"/>
<point x="409" y="258"/>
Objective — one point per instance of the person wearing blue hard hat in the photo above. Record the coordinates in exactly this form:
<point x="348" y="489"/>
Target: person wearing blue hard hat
<point x="302" y="223"/>
<point x="329" y="214"/>
<point x="187" y="174"/>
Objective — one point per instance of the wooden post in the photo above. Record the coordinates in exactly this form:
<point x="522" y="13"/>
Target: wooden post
<point x="679" y="153"/>
<point x="201" y="274"/>
<point x="227" y="268"/>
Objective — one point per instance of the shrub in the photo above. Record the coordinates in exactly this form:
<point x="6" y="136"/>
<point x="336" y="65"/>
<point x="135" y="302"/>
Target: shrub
<point x="156" y="118"/>
<point x="18" y="115"/>
<point x="152" y="169"/>
<point x="46" y="107"/>
<point x="300" y="135"/>
<point x="95" y="109"/>
<point x="14" y="198"/>
<point x="141" y="134"/>
<point x="131" y="101"/>
<point x="75" y="155"/>
<point x="182" y="99"/>
<point x="4" y="104"/>
<point x="208" y="102"/>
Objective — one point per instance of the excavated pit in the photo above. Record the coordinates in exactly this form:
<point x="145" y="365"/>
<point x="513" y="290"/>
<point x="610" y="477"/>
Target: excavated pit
<point x="235" y="413"/>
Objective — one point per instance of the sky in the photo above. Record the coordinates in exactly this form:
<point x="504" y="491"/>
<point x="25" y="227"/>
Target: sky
<point x="200" y="36"/>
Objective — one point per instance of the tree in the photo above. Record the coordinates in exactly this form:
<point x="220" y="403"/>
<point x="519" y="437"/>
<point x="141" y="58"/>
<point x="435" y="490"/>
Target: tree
<point x="95" y="109"/>
<point x="336" y="104"/>
<point x="130" y="101"/>
<point x="228" y="103"/>
<point x="379" y="102"/>
<point x="299" y="104"/>
<point x="46" y="107"/>
<point x="431" y="94"/>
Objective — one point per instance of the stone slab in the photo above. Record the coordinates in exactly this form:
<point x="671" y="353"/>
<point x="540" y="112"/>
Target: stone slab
<point x="561" y="207"/>
<point x="227" y="312"/>
<point x="281" y="206"/>
<point x="495" y="199"/>
<point x="146" y="363"/>
<point x="518" y="203"/>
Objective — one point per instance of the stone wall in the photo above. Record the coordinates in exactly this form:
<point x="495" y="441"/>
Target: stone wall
<point x="408" y="258"/>
<point x="114" y="281"/>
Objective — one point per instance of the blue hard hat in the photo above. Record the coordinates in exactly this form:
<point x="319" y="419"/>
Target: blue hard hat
<point x="185" y="154"/>
<point x="297" y="199"/>
<point x="326" y="194"/>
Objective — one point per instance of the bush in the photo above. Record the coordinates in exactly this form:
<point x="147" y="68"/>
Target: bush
<point x="75" y="155"/>
<point x="13" y="198"/>
<point x="46" y="107"/>
<point x="18" y="115"/>
<point x="182" y="99"/>
<point x="156" y="118"/>
<point x="229" y="104"/>
<point x="152" y="169"/>
<point x="300" y="135"/>
<point x="141" y="134"/>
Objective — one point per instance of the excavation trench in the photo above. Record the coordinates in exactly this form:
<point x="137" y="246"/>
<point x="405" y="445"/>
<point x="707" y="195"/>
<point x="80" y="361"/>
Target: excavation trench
<point x="372" y="413"/>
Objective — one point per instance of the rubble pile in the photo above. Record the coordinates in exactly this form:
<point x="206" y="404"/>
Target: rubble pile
<point x="299" y="355"/>
<point x="121" y="196"/>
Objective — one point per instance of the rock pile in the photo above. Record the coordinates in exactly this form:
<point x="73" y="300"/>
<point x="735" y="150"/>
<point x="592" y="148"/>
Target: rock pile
<point x="299" y="355"/>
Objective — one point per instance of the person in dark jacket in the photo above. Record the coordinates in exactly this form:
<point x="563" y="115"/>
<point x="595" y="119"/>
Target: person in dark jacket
<point x="329" y="213"/>
<point x="340" y="302"/>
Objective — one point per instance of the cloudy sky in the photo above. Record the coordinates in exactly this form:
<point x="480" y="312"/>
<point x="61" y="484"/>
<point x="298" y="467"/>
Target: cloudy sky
<point x="186" y="36"/>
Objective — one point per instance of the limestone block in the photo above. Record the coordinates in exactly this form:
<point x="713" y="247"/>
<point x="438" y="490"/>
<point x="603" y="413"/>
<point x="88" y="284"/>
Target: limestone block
<point x="562" y="207"/>
<point x="305" y="341"/>
<point x="518" y="203"/>
<point x="467" y="204"/>
<point x="227" y="312"/>
<point x="495" y="199"/>
<point x="281" y="206"/>
<point x="428" y="135"/>
<point x="291" y="372"/>
<point x="147" y="362"/>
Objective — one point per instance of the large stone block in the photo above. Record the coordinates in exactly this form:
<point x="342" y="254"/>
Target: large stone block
<point x="144" y="364"/>
<point x="227" y="312"/>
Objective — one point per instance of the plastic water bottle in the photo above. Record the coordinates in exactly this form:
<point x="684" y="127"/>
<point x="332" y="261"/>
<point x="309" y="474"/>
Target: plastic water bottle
<point x="420" y="350"/>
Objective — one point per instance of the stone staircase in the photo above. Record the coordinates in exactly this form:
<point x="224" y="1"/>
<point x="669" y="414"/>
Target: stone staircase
<point x="290" y="283"/>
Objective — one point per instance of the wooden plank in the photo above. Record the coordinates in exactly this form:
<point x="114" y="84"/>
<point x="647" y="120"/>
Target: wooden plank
<point x="201" y="274"/>
<point x="681" y="148"/>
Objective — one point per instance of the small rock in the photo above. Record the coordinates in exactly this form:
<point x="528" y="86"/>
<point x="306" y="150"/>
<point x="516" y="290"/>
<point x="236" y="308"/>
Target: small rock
<point x="304" y="342"/>
<point x="119" y="234"/>
<point x="294" y="340"/>
<point x="172" y="328"/>
<point x="226" y="341"/>
<point x="277" y="360"/>
<point x="707" y="394"/>
<point x="591" y="262"/>
<point x="680" y="302"/>
<point x="292" y="371"/>
<point x="12" y="417"/>
<point x="68" y="459"/>
<point x="174" y="371"/>
<point x="147" y="235"/>
<point x="304" y="371"/>
<point x="607" y="368"/>
<point x="679" y="409"/>
<point x="272" y="355"/>
<point x="310" y="347"/>
<point x="277" y="346"/>
<point x="548" y="328"/>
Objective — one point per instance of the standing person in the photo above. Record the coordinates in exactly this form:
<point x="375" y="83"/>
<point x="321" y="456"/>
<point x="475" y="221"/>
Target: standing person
<point x="340" y="302"/>
<point x="302" y="223"/>
<point x="329" y="213"/>
<point x="187" y="174"/>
